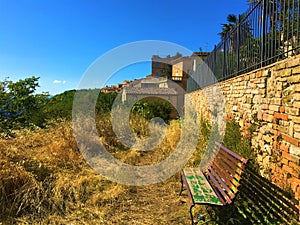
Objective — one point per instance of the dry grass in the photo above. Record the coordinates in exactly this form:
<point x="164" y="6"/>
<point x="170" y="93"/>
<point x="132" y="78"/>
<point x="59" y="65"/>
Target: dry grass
<point x="45" y="180"/>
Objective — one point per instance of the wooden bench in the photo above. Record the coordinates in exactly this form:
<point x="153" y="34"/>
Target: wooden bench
<point x="217" y="183"/>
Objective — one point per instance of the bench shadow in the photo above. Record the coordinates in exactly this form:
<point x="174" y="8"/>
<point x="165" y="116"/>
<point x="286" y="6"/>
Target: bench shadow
<point x="258" y="202"/>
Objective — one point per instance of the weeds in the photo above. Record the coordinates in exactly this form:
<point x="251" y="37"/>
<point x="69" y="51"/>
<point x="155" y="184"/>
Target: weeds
<point x="45" y="180"/>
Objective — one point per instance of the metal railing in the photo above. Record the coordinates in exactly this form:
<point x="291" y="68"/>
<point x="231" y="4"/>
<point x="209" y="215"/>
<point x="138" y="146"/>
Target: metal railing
<point x="266" y="33"/>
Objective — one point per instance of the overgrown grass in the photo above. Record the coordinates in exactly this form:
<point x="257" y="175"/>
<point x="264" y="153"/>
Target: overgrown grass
<point x="45" y="180"/>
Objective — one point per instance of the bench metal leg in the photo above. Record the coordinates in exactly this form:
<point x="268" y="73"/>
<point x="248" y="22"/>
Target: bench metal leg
<point x="191" y="213"/>
<point x="181" y="190"/>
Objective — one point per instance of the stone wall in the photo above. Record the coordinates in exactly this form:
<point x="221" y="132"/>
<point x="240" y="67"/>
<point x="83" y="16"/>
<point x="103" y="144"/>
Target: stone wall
<point x="267" y="102"/>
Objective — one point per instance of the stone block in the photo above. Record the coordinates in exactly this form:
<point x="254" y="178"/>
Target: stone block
<point x="280" y="116"/>
<point x="259" y="115"/>
<point x="279" y="86"/>
<point x="284" y="148"/>
<point x="292" y="63"/>
<point x="285" y="73"/>
<point x="266" y="73"/>
<point x="295" y="119"/>
<point x="274" y="108"/>
<point x="297" y="127"/>
<point x="261" y="85"/>
<point x="267" y="117"/>
<point x="280" y="66"/>
<point x="252" y="76"/>
<point x="290" y="139"/>
<point x="296" y="70"/>
<point x="265" y="107"/>
<point x="259" y="74"/>
<point x="267" y="138"/>
<point x="294" y="182"/>
<point x="262" y="91"/>
<point x="296" y="104"/>
<point x="297" y="135"/>
<point x="297" y="87"/>
<point x="247" y="106"/>
<point x="294" y="166"/>
<point x="285" y="161"/>
<point x="246" y="77"/>
<point x="278" y="94"/>
<point x="287" y="156"/>
<point x="292" y="111"/>
<point x="294" y="79"/>
<point x="290" y="170"/>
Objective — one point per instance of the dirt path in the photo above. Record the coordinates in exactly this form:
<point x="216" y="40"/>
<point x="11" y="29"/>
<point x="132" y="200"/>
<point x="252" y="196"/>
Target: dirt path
<point x="153" y="204"/>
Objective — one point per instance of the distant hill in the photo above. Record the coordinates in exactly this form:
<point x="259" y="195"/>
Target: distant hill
<point x="60" y="106"/>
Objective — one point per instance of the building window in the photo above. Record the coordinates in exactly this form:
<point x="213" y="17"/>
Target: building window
<point x="156" y="74"/>
<point x="156" y="64"/>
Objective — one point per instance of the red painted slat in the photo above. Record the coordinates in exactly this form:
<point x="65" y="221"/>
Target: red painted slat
<point x="219" y="188"/>
<point x="231" y="152"/>
<point x="228" y="190"/>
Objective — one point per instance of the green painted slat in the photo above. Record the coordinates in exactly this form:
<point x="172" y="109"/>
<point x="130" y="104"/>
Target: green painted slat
<point x="201" y="190"/>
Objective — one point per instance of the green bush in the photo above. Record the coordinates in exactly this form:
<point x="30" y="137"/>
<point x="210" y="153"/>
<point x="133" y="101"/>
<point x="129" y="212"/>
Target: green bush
<point x="60" y="106"/>
<point x="153" y="108"/>
<point x="20" y="107"/>
<point x="234" y="140"/>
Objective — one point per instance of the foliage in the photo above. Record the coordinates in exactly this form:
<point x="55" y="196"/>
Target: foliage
<point x="19" y="105"/>
<point x="232" y="21"/>
<point x="153" y="108"/>
<point x="234" y="140"/>
<point x="105" y="102"/>
<point x="60" y="106"/>
<point x="205" y="128"/>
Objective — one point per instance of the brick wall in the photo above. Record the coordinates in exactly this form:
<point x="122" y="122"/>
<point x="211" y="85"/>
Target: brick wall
<point x="267" y="99"/>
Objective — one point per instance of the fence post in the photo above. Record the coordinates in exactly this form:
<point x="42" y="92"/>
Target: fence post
<point x="238" y="29"/>
<point x="224" y="59"/>
<point x="263" y="32"/>
<point x="215" y="65"/>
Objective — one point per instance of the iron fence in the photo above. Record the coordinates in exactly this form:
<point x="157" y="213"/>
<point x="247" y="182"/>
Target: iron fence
<point x="266" y="33"/>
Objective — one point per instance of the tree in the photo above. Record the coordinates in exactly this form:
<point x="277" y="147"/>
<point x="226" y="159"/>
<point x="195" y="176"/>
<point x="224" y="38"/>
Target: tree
<point x="232" y="21"/>
<point x="19" y="106"/>
<point x="60" y="106"/>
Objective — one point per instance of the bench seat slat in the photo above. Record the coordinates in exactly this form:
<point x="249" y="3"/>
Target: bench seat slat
<point x="218" y="188"/>
<point x="230" y="177"/>
<point x="200" y="189"/>
<point x="231" y="152"/>
<point x="233" y="162"/>
<point x="221" y="166"/>
<point x="219" y="179"/>
<point x="222" y="173"/>
<point x="231" y="168"/>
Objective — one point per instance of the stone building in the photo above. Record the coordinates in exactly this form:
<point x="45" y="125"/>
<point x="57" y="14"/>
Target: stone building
<point x="177" y="68"/>
<point x="152" y="87"/>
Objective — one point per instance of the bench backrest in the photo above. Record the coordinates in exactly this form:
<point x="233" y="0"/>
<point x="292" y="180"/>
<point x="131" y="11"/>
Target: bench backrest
<point x="224" y="173"/>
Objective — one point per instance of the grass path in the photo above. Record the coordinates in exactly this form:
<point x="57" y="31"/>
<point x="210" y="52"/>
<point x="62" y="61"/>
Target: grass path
<point x="152" y="204"/>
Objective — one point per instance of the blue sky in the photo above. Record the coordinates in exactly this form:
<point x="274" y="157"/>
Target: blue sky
<point x="58" y="40"/>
